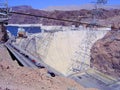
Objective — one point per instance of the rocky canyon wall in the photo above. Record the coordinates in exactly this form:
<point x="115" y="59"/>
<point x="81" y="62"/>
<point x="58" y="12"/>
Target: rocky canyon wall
<point x="105" y="54"/>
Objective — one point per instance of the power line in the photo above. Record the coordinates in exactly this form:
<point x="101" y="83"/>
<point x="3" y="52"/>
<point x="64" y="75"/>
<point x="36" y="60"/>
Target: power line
<point x="3" y="11"/>
<point x="27" y="14"/>
<point x="66" y="20"/>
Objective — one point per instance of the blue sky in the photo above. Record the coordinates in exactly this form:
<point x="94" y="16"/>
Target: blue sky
<point x="41" y="4"/>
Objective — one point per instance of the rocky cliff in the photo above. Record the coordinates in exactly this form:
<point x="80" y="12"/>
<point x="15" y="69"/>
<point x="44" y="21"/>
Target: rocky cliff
<point x="71" y="15"/>
<point x="105" y="54"/>
<point x="3" y="33"/>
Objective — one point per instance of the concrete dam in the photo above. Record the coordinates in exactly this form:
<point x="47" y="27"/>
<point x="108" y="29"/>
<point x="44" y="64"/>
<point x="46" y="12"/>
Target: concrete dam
<point x="66" y="50"/>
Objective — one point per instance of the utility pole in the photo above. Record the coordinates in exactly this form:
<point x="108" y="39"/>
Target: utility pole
<point x="4" y="11"/>
<point x="3" y="19"/>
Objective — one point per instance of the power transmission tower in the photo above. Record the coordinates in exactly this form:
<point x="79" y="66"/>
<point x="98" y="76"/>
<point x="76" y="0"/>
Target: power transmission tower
<point x="101" y="1"/>
<point x="4" y="10"/>
<point x="96" y="11"/>
<point x="3" y="20"/>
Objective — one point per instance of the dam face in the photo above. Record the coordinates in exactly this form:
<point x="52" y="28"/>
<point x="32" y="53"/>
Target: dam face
<point x="66" y="51"/>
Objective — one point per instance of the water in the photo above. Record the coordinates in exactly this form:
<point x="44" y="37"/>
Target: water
<point x="14" y="29"/>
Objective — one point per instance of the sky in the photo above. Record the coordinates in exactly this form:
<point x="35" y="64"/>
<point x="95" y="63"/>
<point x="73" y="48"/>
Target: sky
<point x="41" y="4"/>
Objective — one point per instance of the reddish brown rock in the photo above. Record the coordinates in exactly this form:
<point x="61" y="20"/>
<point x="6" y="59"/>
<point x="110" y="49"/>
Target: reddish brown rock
<point x="105" y="54"/>
<point x="3" y="33"/>
<point x="107" y="16"/>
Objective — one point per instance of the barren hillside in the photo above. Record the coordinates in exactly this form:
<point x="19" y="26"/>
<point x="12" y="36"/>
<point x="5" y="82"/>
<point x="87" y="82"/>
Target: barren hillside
<point x="72" y="15"/>
<point x="105" y="54"/>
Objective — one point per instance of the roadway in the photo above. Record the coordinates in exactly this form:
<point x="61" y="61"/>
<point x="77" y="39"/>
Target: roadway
<point x="22" y="59"/>
<point x="95" y="79"/>
<point x="29" y="60"/>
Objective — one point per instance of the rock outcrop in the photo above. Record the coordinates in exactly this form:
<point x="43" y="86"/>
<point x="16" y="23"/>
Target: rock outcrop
<point x="105" y="54"/>
<point x="3" y="33"/>
<point x="71" y="15"/>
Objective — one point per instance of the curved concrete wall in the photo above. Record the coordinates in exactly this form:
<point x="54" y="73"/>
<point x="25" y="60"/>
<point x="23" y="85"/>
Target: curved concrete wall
<point x="65" y="50"/>
<point x="62" y="52"/>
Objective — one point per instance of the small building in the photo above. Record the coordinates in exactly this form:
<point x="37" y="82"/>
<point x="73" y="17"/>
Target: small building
<point x="21" y="32"/>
